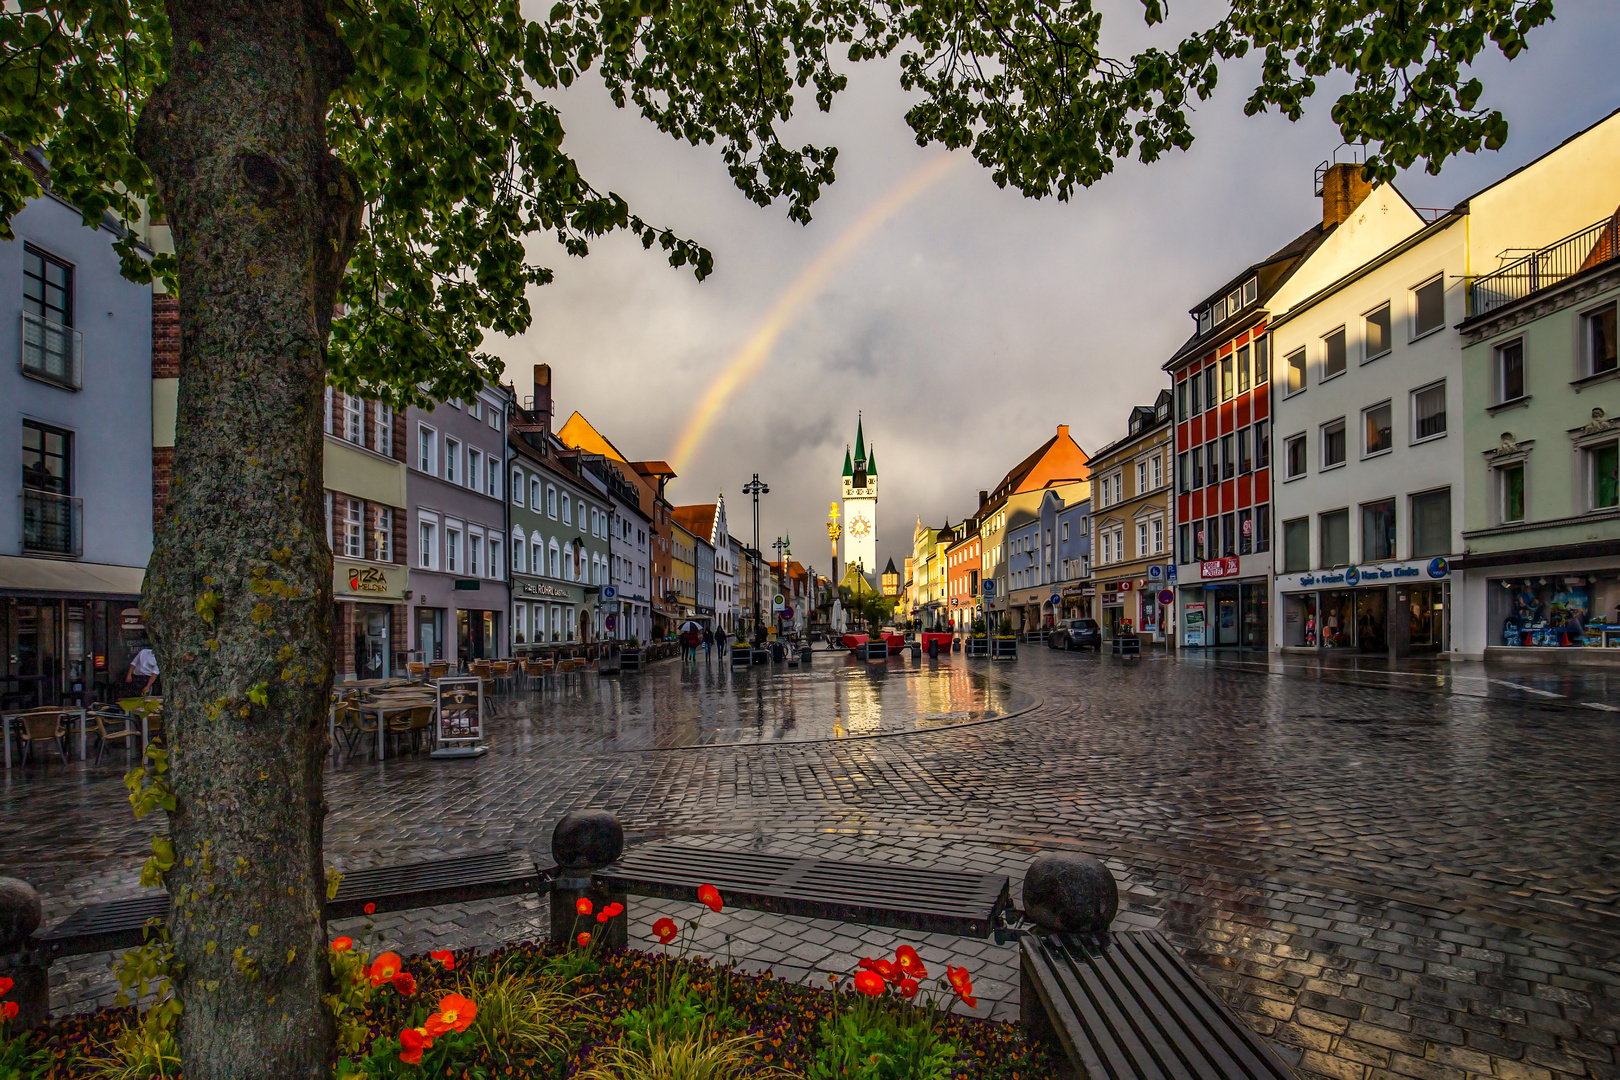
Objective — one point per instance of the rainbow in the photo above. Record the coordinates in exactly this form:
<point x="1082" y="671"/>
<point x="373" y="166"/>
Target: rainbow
<point x="746" y="362"/>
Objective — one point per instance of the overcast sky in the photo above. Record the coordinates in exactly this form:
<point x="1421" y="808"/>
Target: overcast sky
<point x="973" y="321"/>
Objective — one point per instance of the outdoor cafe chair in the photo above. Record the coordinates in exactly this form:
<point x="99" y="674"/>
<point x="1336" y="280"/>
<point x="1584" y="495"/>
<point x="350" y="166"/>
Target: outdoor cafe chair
<point x="113" y="725"/>
<point x="416" y="670"/>
<point x="44" y="725"/>
<point x="437" y="670"/>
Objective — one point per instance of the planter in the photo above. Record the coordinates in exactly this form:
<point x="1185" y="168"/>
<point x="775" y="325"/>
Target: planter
<point x="1004" y="647"/>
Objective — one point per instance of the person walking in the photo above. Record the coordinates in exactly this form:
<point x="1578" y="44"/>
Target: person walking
<point x="144" y="666"/>
<point x="708" y="643"/>
<point x="720" y="642"/>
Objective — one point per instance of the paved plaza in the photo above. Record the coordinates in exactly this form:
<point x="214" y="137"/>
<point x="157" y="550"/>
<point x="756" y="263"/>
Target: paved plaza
<point x="1388" y="873"/>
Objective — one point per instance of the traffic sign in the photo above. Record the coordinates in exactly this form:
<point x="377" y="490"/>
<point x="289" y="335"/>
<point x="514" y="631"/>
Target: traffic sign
<point x="778" y="602"/>
<point x="609" y="592"/>
<point x="1167" y="597"/>
<point x="987" y="587"/>
<point x="1155" y="571"/>
<point x="1056" y="600"/>
<point x="611" y="621"/>
<point x="787" y="614"/>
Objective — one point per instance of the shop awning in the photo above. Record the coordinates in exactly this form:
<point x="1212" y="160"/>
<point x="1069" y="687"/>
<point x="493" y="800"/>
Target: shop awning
<point x="58" y="577"/>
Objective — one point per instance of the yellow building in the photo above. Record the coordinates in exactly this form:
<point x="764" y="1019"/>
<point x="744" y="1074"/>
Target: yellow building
<point x="683" y="566"/>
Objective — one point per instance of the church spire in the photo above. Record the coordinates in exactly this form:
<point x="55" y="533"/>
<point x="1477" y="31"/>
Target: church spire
<point x="860" y="439"/>
<point x="871" y="461"/>
<point x="849" y="470"/>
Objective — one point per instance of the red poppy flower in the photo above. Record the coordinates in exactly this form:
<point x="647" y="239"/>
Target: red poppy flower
<point x="908" y="988"/>
<point x="445" y="957"/>
<point x="342" y="944"/>
<point x="5" y="986"/>
<point x="963" y="985"/>
<point x="8" y="1010"/>
<point x="455" y="1014"/>
<point x="883" y="968"/>
<point x="583" y="905"/>
<point x="709" y="896"/>
<point x="370" y="909"/>
<point x="910" y="962"/>
<point x="412" y="1041"/>
<point x="869" y="983"/>
<point x="405" y="983"/>
<point x="384" y="968"/>
<point x="613" y="911"/>
<point x="664" y="930"/>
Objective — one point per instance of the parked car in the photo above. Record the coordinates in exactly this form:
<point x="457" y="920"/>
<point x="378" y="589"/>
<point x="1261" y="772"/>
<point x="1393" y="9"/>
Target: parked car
<point x="1076" y="634"/>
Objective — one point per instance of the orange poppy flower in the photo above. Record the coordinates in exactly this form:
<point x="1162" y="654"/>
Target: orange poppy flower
<point x="910" y="962"/>
<point x="887" y="971"/>
<point x="963" y="985"/>
<point x="455" y="1014"/>
<point x="412" y="1041"/>
<point x="709" y="896"/>
<point x="613" y="911"/>
<point x="445" y="957"/>
<point x="5" y="986"/>
<point x="583" y="941"/>
<point x="583" y="905"/>
<point x="384" y="968"/>
<point x="8" y="1010"/>
<point x="664" y="930"/>
<point x="371" y="909"/>
<point x="908" y="988"/>
<point x="869" y="983"/>
<point x="405" y="983"/>
<point x="342" y="944"/>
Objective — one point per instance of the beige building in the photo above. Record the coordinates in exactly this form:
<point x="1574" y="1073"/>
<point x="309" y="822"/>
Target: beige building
<point x="1058" y="465"/>
<point x="1131" y="523"/>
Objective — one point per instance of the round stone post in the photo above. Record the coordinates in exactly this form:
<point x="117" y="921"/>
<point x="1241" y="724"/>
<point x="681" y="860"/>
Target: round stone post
<point x="1064" y="893"/>
<point x="20" y="916"/>
<point x="583" y="842"/>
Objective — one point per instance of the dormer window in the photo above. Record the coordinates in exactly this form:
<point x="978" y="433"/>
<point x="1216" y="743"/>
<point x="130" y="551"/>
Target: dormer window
<point x="1205" y="321"/>
<point x="1251" y="291"/>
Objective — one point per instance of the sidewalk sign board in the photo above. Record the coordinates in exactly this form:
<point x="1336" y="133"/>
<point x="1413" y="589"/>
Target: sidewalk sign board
<point x="460" y="727"/>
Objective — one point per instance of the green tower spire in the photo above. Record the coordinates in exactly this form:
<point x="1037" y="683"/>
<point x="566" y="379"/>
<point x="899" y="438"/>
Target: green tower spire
<point x="871" y="461"/>
<point x="860" y="439"/>
<point x="849" y="469"/>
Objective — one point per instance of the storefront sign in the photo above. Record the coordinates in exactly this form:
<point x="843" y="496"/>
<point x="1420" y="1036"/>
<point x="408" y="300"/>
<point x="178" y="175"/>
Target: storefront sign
<point x="530" y="588"/>
<point x="1353" y="576"/>
<point x="1089" y="590"/>
<point x="1223" y="567"/>
<point x="1192" y="624"/>
<point x="1074" y="590"/>
<point x="461" y="718"/>
<point x="368" y="581"/>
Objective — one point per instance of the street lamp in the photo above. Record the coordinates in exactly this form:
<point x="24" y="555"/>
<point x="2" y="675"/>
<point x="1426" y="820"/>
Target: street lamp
<point x="756" y="488"/>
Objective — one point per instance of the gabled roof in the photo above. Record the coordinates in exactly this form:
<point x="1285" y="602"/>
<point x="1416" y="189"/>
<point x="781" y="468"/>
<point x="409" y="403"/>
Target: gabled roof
<point x="697" y="519"/>
<point x="1053" y="461"/>
<point x="581" y="434"/>
<point x="653" y="468"/>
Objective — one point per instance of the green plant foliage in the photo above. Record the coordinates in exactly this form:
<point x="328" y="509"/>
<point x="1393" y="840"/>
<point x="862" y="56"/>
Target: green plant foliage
<point x="521" y="1015"/>
<point x="872" y="1041"/>
<point x="21" y="1056"/>
<point x="460" y="157"/>
<point x="667" y="1057"/>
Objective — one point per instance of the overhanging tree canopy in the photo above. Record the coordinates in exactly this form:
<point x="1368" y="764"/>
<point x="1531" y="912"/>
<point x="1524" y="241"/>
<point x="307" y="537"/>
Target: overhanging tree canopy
<point x="385" y="159"/>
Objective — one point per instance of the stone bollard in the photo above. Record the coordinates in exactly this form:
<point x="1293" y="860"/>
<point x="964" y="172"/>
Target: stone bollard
<point x="20" y="961"/>
<point x="1064" y="893"/>
<point x="585" y="841"/>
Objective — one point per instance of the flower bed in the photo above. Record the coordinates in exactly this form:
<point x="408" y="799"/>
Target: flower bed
<point x="595" y="1014"/>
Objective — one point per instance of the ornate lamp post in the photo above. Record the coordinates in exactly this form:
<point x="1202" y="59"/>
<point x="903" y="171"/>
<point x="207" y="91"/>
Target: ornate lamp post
<point x="756" y="488"/>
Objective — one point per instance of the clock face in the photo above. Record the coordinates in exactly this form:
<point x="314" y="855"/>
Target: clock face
<point x="859" y="527"/>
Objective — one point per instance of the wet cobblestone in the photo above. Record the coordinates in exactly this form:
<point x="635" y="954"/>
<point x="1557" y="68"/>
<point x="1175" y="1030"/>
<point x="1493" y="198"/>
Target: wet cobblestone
<point x="1385" y="880"/>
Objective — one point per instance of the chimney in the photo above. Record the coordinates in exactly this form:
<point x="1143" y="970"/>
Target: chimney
<point x="1343" y="189"/>
<point x="1063" y="431"/>
<point x="984" y="497"/>
<point x="542" y="394"/>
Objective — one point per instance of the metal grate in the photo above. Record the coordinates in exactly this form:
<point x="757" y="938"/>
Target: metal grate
<point x="1596" y="244"/>
<point x="926" y="899"/>
<point x="1126" y="1005"/>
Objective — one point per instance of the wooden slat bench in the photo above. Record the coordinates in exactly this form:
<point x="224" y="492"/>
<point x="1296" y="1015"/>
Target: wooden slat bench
<point x="927" y="899"/>
<point x="1124" y="1004"/>
<point x="119" y="924"/>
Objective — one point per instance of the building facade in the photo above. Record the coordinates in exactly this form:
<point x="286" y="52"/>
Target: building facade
<point x="456" y="491"/>
<point x="860" y="494"/>
<point x="1058" y="464"/>
<point x="962" y="574"/>
<point x="1073" y="559"/>
<point x="1131" y="521"/>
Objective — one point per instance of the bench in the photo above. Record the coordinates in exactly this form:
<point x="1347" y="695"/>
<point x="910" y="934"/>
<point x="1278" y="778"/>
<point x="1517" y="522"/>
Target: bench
<point x="121" y="924"/>
<point x="1125" y="1004"/>
<point x="927" y="900"/>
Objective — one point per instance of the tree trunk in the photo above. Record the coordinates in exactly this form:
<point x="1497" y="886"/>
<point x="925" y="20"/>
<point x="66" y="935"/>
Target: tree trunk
<point x="239" y="590"/>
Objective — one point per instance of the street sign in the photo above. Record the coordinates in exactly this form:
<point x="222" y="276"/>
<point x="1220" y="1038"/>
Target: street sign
<point x="1155" y="572"/>
<point x="778" y="602"/>
<point x="1056" y="600"/>
<point x="609" y="592"/>
<point x="1167" y="597"/>
<point x="612" y="621"/>
<point x="787" y="614"/>
<point x="988" y="588"/>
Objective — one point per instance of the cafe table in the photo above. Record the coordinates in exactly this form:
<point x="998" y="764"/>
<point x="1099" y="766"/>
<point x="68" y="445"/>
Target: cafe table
<point x="8" y="719"/>
<point x="392" y="702"/>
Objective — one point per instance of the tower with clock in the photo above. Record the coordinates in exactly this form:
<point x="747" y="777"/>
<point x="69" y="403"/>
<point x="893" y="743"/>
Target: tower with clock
<point x="860" y="504"/>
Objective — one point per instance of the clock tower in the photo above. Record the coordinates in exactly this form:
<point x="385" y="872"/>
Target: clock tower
<point x="860" y="505"/>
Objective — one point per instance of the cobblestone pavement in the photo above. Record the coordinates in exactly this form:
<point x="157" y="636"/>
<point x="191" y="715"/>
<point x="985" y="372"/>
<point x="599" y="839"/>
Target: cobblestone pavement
<point x="1384" y="880"/>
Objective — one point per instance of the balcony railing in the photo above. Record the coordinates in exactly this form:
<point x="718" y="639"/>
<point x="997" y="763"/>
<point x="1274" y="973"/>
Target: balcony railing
<point x="52" y="352"/>
<point x="52" y="524"/>
<point x="1596" y="244"/>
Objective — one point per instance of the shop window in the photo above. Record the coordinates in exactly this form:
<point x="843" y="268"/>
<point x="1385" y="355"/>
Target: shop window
<point x="1333" y="354"/>
<point x="1228" y="456"/>
<point x="1262" y="444"/>
<point x="1245" y="532"/>
<point x="1428" y="307"/>
<point x="1429" y="412"/>
<point x="1296" y="545"/>
<point x="1262" y="528"/>
<point x="1197" y="393"/>
<point x="1334" y="532"/>
<point x="1333" y="444"/>
<point x="1375" y="334"/>
<point x="1228" y="379"/>
<point x="1598" y="334"/>
<point x="1377" y="430"/>
<point x="1245" y="451"/>
<point x="1509" y="371"/>
<point x="1431" y="523"/>
<point x="1294" y="456"/>
<point x="1378" y="530"/>
<point x="1603" y="485"/>
<point x="1296" y="371"/>
<point x="1243" y="370"/>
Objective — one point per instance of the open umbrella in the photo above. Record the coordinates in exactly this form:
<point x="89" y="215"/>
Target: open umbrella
<point x="690" y="625"/>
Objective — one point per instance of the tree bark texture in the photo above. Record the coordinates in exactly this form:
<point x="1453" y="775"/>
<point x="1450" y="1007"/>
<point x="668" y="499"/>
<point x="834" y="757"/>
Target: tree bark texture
<point x="239" y="589"/>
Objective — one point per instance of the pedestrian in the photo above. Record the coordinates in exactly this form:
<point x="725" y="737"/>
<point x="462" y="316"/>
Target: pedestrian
<point x="720" y="641"/>
<point x="144" y="666"/>
<point x="708" y="643"/>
